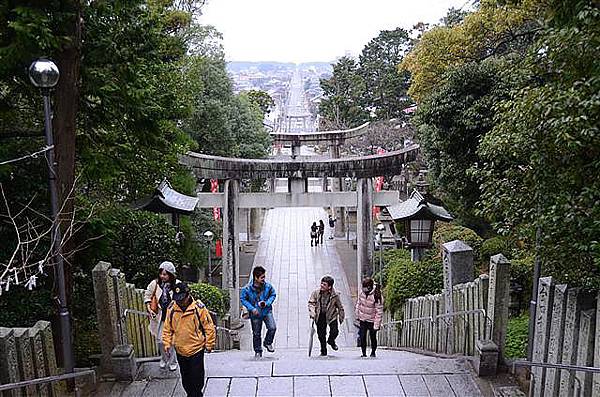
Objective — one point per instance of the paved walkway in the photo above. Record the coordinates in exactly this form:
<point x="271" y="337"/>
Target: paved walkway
<point x="295" y="270"/>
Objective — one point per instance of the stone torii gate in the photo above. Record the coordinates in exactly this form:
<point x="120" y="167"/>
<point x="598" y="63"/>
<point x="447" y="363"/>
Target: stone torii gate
<point x="232" y="170"/>
<point x="334" y="140"/>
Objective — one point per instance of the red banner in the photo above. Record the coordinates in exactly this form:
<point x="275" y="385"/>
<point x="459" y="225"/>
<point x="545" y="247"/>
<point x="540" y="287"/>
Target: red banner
<point x="378" y="183"/>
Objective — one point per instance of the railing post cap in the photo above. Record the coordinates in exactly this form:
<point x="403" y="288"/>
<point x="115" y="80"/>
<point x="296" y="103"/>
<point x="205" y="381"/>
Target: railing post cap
<point x="102" y="267"/>
<point x="457" y="246"/>
<point x="486" y="345"/>
<point x="499" y="259"/>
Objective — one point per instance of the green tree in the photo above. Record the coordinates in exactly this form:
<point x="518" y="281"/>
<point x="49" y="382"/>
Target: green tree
<point x="541" y="160"/>
<point x="262" y="99"/>
<point x="385" y="87"/>
<point x="343" y="91"/>
<point x="451" y="121"/>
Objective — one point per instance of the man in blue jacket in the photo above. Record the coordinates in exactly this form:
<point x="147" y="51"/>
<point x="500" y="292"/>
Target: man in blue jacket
<point x="258" y="297"/>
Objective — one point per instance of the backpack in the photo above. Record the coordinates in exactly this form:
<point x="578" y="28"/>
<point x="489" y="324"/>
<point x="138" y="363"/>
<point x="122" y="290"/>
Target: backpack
<point x="197" y="306"/>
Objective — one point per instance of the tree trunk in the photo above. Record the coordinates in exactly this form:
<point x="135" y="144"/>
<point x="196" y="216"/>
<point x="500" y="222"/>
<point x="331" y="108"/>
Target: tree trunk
<point x="68" y="59"/>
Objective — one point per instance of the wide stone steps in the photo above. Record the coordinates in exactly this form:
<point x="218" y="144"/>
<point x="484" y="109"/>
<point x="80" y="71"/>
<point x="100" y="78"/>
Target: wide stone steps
<point x="290" y="372"/>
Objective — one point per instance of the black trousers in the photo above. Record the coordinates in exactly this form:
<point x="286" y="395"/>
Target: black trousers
<point x="364" y="327"/>
<point x="322" y="332"/>
<point x="192" y="373"/>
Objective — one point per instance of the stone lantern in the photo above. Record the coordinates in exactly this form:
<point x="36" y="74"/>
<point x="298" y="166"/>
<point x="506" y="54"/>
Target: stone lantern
<point x="419" y="218"/>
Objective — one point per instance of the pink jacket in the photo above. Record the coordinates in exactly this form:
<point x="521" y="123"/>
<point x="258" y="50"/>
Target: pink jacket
<point x="367" y="310"/>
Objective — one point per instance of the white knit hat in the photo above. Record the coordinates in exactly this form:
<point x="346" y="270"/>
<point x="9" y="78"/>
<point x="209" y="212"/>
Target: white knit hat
<point x="168" y="267"/>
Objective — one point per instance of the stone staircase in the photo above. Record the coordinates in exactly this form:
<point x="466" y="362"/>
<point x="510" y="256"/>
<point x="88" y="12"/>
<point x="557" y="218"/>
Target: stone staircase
<point x="290" y="372"/>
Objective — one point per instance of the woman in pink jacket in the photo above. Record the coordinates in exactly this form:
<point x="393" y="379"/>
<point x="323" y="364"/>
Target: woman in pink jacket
<point x="369" y="311"/>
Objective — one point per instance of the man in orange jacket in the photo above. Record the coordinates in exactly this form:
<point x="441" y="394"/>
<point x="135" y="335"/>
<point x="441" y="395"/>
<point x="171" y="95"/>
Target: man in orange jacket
<point x="190" y="328"/>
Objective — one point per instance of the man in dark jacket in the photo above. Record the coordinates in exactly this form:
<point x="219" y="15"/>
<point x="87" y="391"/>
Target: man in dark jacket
<point x="258" y="297"/>
<point x="325" y="307"/>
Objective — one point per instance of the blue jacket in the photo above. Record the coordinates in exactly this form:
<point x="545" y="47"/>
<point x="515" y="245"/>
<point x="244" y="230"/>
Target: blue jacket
<point x="250" y="297"/>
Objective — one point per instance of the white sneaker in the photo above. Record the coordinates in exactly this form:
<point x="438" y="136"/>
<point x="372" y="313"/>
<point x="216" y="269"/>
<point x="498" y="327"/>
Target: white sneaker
<point x="162" y="364"/>
<point x="172" y="367"/>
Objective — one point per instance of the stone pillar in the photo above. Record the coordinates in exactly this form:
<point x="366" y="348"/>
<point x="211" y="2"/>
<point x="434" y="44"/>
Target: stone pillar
<point x="555" y="343"/>
<point x="498" y="301"/>
<point x="106" y="313"/>
<point x="570" y="339"/>
<point x="486" y="360"/>
<point x="336" y="186"/>
<point x="543" y="318"/>
<point x="596" y="377"/>
<point x="25" y="358"/>
<point x="8" y="360"/>
<point x="231" y="247"/>
<point x="364" y="227"/>
<point x="45" y="329"/>
<point x="256" y="220"/>
<point x="39" y="365"/>
<point x="585" y="351"/>
<point x="458" y="269"/>
<point x="123" y="363"/>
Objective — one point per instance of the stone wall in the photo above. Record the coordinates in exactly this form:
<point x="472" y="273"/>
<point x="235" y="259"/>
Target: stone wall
<point x="567" y="331"/>
<point x="28" y="353"/>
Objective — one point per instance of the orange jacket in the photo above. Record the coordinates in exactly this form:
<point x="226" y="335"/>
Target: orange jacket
<point x="189" y="331"/>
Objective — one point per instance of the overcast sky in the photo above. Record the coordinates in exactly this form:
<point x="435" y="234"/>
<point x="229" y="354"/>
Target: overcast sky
<point x="311" y="30"/>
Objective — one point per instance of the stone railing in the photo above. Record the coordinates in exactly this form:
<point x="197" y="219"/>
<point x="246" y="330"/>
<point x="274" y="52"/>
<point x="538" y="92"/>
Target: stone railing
<point x="467" y="318"/>
<point x="123" y="324"/>
<point x="26" y="354"/>
<point x="567" y="332"/>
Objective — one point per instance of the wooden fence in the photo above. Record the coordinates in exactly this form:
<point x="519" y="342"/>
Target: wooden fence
<point x="452" y="322"/>
<point x="425" y="324"/>
<point x="25" y="354"/>
<point x="567" y="332"/>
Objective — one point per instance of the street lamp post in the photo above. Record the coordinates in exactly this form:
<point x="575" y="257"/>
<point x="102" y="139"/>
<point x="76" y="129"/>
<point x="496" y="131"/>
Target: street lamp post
<point x="380" y="229"/>
<point x="44" y="74"/>
<point x="348" y="182"/>
<point x="208" y="237"/>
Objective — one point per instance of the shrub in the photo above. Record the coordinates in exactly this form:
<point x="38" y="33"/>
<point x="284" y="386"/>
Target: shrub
<point x="446" y="232"/>
<point x="213" y="297"/>
<point x="496" y="245"/>
<point x="516" y="337"/>
<point x="407" y="279"/>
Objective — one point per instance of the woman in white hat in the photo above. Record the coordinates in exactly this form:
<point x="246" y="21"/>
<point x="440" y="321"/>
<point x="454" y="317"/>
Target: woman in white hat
<point x="157" y="298"/>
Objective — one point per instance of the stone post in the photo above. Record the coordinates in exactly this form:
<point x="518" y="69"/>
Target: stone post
<point x="596" y="377"/>
<point x="486" y="360"/>
<point x="336" y="186"/>
<point x="457" y="269"/>
<point x="8" y="360"/>
<point x="25" y="358"/>
<point x="543" y="318"/>
<point x="585" y="351"/>
<point x="106" y="313"/>
<point x="364" y="227"/>
<point x="231" y="247"/>
<point x="555" y="336"/>
<point x="39" y="365"/>
<point x="45" y="329"/>
<point x="123" y="363"/>
<point x="498" y="301"/>
<point x="570" y="339"/>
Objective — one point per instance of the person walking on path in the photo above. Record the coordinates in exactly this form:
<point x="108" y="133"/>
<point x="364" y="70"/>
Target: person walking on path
<point x="258" y="297"/>
<point x="369" y="312"/>
<point x="321" y="231"/>
<point x="189" y="327"/>
<point x="157" y="297"/>
<point x="314" y="234"/>
<point x="325" y="308"/>
<point x="332" y="221"/>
